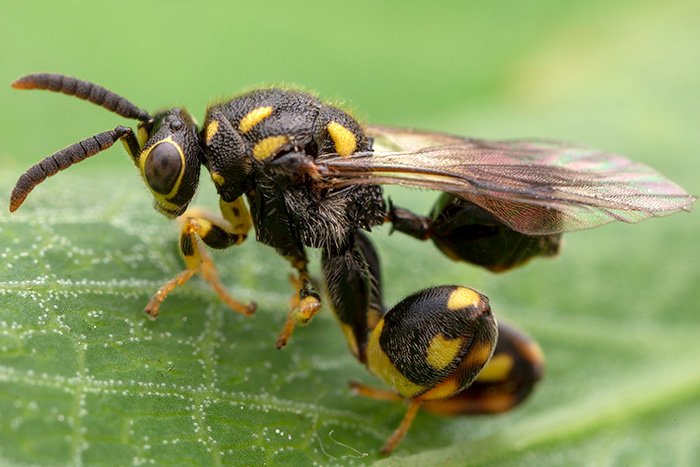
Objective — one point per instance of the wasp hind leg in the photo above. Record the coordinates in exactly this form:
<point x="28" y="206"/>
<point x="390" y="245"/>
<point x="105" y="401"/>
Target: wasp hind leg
<point x="200" y="227"/>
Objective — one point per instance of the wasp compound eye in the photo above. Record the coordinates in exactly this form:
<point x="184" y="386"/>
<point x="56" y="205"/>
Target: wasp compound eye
<point x="162" y="167"/>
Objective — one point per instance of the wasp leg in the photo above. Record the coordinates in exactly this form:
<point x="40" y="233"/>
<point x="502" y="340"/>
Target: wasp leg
<point x="304" y="304"/>
<point x="400" y="432"/>
<point x="216" y="232"/>
<point x="509" y="378"/>
<point x="353" y="282"/>
<point x="370" y="392"/>
<point x="389" y="396"/>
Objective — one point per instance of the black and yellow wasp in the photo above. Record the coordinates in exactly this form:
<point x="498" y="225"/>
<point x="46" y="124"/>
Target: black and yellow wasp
<point x="312" y="176"/>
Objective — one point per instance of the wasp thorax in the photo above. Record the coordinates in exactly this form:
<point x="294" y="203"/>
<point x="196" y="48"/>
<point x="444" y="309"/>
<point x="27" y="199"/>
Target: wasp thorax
<point x="434" y="343"/>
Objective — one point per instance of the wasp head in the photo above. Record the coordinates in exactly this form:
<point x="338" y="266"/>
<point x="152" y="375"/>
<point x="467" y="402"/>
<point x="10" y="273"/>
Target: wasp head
<point x="170" y="159"/>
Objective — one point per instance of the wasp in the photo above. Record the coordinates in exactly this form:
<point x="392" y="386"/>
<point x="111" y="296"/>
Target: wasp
<point x="306" y="174"/>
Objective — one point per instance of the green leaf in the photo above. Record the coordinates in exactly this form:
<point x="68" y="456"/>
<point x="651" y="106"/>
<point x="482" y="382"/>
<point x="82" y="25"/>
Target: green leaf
<point x="86" y="378"/>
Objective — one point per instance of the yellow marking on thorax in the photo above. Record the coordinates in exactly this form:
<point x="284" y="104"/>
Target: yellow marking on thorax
<point x="497" y="369"/>
<point x="212" y="128"/>
<point x="379" y="364"/>
<point x="268" y="147"/>
<point x="441" y="351"/>
<point x="461" y="298"/>
<point x="343" y="139"/>
<point x="253" y="117"/>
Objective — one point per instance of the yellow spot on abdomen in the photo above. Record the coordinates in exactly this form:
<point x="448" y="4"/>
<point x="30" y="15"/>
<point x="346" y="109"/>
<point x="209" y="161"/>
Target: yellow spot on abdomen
<point x="253" y="117"/>
<point x="269" y="146"/>
<point x="447" y="388"/>
<point x="462" y="297"/>
<point x="497" y="369"/>
<point x="533" y="352"/>
<point x="343" y="139"/>
<point x="441" y="351"/>
<point x="212" y="128"/>
<point x="478" y="355"/>
<point x="379" y="364"/>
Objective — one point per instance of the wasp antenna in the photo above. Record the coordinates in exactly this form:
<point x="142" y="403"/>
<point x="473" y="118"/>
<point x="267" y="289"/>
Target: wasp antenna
<point x="83" y="90"/>
<point x="62" y="160"/>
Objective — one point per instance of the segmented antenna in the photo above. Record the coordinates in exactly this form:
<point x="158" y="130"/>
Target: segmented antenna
<point x="83" y="90"/>
<point x="61" y="160"/>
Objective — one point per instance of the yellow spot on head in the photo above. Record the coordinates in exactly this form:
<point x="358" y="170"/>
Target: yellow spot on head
<point x="343" y="139"/>
<point x="497" y="369"/>
<point x="142" y="135"/>
<point x="379" y="364"/>
<point x="212" y="128"/>
<point x="253" y="117"/>
<point x="441" y="351"/>
<point x="217" y="178"/>
<point x="268" y="147"/>
<point x="462" y="297"/>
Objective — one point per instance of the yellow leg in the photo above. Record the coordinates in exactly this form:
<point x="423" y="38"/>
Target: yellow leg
<point x="403" y="427"/>
<point x="390" y="396"/>
<point x="216" y="232"/>
<point x="154" y="303"/>
<point x="374" y="393"/>
<point x="211" y="275"/>
<point x="304" y="305"/>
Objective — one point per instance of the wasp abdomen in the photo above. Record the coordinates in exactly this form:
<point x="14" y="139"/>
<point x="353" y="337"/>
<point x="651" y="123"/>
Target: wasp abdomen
<point x="467" y="232"/>
<point x="434" y="343"/>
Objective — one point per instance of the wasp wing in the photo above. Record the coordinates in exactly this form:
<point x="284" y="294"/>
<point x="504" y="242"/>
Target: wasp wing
<point x="536" y="187"/>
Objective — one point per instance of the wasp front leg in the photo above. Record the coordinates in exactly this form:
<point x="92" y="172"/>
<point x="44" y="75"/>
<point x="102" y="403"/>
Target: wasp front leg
<point x="201" y="227"/>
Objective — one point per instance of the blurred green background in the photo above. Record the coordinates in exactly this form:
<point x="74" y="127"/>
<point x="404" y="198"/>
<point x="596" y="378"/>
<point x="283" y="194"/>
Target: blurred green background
<point x="617" y="314"/>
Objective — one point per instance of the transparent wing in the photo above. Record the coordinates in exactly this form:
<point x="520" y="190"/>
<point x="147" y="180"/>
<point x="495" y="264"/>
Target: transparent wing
<point x="536" y="187"/>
